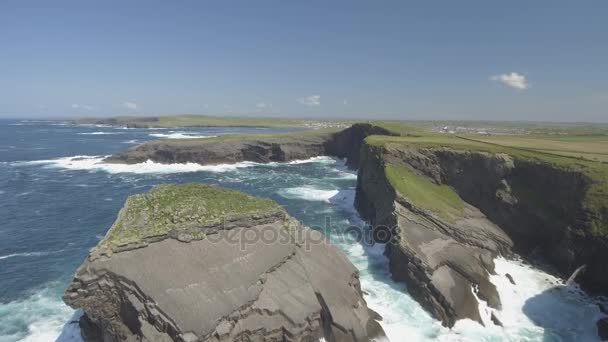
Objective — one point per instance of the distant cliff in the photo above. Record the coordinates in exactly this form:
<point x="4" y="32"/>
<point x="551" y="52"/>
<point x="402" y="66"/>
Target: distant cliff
<point x="182" y="263"/>
<point x="255" y="148"/>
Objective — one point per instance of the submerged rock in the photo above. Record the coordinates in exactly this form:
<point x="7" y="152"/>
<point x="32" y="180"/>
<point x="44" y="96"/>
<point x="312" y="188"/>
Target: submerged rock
<point x="256" y="275"/>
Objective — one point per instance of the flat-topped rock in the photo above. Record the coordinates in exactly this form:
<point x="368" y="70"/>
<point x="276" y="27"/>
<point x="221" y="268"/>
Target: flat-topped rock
<point x="263" y="277"/>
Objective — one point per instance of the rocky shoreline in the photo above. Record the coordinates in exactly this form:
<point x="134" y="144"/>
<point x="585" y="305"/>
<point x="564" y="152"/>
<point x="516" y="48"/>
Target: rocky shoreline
<point x="503" y="204"/>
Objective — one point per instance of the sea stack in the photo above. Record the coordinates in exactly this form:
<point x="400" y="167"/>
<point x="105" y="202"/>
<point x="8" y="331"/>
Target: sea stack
<point x="196" y="262"/>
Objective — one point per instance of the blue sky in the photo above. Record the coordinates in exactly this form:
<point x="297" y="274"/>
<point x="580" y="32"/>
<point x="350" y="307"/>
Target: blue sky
<point x="508" y="60"/>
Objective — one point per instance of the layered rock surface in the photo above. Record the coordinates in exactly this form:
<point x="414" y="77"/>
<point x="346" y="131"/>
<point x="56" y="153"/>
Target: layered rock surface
<point x="226" y="150"/>
<point x="507" y="202"/>
<point x="445" y="261"/>
<point x="261" y="149"/>
<point x="257" y="275"/>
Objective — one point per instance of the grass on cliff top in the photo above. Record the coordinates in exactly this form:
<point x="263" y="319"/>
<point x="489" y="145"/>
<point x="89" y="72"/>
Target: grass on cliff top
<point x="306" y="134"/>
<point x="596" y="197"/>
<point x="423" y="193"/>
<point x="167" y="207"/>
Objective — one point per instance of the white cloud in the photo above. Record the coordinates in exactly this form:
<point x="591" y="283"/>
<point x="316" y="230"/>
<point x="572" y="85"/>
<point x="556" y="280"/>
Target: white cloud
<point x="130" y="105"/>
<point x="84" y="107"/>
<point x="513" y="80"/>
<point x="262" y="105"/>
<point x="312" y="100"/>
<point x="345" y="102"/>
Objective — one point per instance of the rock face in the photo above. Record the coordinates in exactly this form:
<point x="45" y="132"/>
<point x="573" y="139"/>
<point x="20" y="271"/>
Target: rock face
<point x="445" y="263"/>
<point x="226" y="150"/>
<point x="510" y="203"/>
<point x="264" y="149"/>
<point x="257" y="275"/>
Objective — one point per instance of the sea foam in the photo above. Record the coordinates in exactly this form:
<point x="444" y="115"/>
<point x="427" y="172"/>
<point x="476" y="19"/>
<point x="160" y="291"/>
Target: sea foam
<point x="99" y="133"/>
<point x="96" y="163"/>
<point x="180" y="135"/>
<point x="308" y="193"/>
<point x="539" y="307"/>
<point x="44" y="316"/>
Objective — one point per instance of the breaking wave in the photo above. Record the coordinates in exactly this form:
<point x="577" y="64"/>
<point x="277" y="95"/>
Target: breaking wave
<point x="308" y="193"/>
<point x="180" y="135"/>
<point x="99" y="133"/>
<point x="96" y="163"/>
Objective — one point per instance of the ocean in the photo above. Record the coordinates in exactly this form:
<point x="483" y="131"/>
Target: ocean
<point x="57" y="200"/>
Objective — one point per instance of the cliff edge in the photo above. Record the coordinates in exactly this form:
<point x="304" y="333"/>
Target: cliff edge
<point x="196" y="262"/>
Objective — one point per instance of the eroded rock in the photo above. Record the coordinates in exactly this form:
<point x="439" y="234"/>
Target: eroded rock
<point x="291" y="286"/>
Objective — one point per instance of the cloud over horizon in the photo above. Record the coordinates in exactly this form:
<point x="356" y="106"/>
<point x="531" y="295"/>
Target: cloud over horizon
<point x="312" y="100"/>
<point x="513" y="80"/>
<point x="130" y="105"/>
<point x="79" y="106"/>
<point x="262" y="105"/>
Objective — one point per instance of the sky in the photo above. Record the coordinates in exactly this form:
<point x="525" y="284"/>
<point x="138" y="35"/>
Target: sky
<point x="410" y="60"/>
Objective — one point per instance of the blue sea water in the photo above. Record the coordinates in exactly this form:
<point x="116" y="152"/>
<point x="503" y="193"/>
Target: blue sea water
<point x="57" y="200"/>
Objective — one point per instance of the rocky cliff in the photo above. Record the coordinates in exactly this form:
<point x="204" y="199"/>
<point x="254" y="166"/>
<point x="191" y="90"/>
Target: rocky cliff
<point x="227" y="149"/>
<point x="452" y="210"/>
<point x="260" y="148"/>
<point x="444" y="257"/>
<point x="199" y="263"/>
<point x="448" y="207"/>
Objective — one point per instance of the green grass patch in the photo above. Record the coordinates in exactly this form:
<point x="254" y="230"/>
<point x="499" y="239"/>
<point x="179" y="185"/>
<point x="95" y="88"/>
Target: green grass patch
<point x="423" y="193"/>
<point x="185" y="206"/>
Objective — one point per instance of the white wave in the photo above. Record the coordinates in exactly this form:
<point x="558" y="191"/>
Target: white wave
<point x="29" y="254"/>
<point x="42" y="317"/>
<point x="539" y="307"/>
<point x="133" y="141"/>
<point x="308" y="193"/>
<point x="96" y="163"/>
<point x="180" y="135"/>
<point x="540" y="299"/>
<point x="320" y="159"/>
<point x="99" y="133"/>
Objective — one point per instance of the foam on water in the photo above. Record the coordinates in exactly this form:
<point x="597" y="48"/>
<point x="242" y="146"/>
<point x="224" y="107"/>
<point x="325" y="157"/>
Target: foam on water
<point x="538" y="308"/>
<point x="28" y="254"/>
<point x="308" y="193"/>
<point x="96" y="163"/>
<point x="38" y="318"/>
<point x="99" y="133"/>
<point x="180" y="135"/>
<point x="320" y="159"/>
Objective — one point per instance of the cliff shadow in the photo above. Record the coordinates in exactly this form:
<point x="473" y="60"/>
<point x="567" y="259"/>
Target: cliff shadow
<point x="566" y="313"/>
